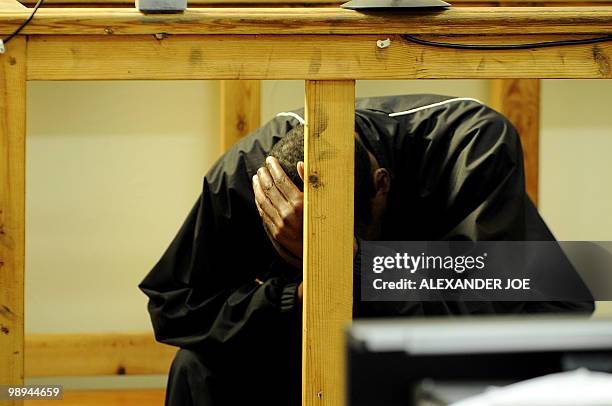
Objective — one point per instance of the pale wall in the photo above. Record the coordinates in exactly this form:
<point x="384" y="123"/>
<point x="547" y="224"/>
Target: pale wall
<point x="112" y="170"/>
<point x="576" y="165"/>
<point x="114" y="167"/>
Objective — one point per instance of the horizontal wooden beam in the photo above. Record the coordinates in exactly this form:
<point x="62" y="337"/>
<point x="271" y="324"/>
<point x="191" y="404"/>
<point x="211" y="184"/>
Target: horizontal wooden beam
<point x="96" y="354"/>
<point x="316" y="3"/>
<point x="324" y="20"/>
<point x="116" y="397"/>
<point x="307" y="3"/>
<point x="212" y="3"/>
<point x="241" y="3"/>
<point x="312" y="57"/>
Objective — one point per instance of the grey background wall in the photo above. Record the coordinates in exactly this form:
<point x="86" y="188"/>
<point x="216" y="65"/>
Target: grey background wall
<point x="114" y="167"/>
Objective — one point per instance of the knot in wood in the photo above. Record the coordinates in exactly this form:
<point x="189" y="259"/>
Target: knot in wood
<point x="241" y="124"/>
<point x="313" y="179"/>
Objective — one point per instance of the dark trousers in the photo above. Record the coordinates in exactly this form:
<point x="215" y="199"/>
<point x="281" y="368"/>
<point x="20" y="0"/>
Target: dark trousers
<point x="265" y="381"/>
<point x="190" y="381"/>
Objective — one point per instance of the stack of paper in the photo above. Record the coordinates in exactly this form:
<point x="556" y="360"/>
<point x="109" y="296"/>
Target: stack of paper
<point x="575" y="388"/>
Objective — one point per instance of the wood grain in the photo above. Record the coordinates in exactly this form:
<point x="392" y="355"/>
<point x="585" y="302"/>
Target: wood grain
<point x="142" y="397"/>
<point x="12" y="210"/>
<point x="519" y="100"/>
<point x="240" y="110"/>
<point x="315" y="20"/>
<point x="11" y="5"/>
<point x="96" y="354"/>
<point x="328" y="238"/>
<point x="310" y="3"/>
<point x="216" y="3"/>
<point x="312" y="57"/>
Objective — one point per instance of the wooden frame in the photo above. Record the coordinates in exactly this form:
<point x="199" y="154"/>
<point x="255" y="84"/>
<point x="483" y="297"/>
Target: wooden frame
<point x="12" y="209"/>
<point x="313" y="3"/>
<point x="500" y="21"/>
<point x="519" y="100"/>
<point x="95" y="354"/>
<point x="240" y="110"/>
<point x="335" y="57"/>
<point x="328" y="47"/>
<point x="328" y="238"/>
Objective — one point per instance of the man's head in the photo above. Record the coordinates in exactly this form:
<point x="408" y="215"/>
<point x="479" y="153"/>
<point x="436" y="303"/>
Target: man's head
<point x="372" y="183"/>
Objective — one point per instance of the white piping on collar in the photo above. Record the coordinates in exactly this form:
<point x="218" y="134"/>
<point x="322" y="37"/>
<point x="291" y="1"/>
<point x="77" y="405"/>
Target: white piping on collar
<point x="443" y="102"/>
<point x="396" y="114"/>
<point x="292" y="114"/>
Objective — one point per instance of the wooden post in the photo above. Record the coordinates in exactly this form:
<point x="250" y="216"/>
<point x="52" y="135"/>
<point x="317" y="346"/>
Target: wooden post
<point x="519" y="100"/>
<point x="12" y="210"/>
<point x="240" y="110"/>
<point x="328" y="238"/>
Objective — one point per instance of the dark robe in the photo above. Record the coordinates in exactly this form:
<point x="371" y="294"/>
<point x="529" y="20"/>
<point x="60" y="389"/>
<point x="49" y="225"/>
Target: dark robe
<point x="457" y="173"/>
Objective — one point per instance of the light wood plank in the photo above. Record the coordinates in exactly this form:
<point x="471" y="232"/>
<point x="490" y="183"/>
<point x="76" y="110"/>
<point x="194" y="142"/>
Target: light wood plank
<point x="519" y="100"/>
<point x="240" y="3"/>
<point x="12" y="210"/>
<point x="11" y="5"/>
<point x="315" y="20"/>
<point x="143" y="397"/>
<point x="96" y="354"/>
<point x="312" y="57"/>
<point x="328" y="238"/>
<point x="318" y="3"/>
<point x="240" y="110"/>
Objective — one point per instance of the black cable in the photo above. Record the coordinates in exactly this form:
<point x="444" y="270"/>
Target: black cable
<point x="508" y="46"/>
<point x="23" y="24"/>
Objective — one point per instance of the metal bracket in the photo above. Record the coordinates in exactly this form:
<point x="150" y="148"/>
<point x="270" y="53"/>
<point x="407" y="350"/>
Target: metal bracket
<point x="383" y="43"/>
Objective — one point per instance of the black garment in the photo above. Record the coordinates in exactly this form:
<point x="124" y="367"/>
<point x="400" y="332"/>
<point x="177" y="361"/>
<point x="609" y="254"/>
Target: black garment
<point x="193" y="382"/>
<point x="457" y="173"/>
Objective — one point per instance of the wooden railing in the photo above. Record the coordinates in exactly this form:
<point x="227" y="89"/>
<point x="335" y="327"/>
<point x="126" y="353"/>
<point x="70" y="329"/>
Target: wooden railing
<point x="95" y="354"/>
<point x="335" y="47"/>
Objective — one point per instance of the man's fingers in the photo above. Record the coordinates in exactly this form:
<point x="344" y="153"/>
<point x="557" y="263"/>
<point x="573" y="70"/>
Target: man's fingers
<point x="282" y="181"/>
<point x="264" y="204"/>
<point x="277" y="199"/>
<point x="262" y="214"/>
<point x="269" y="224"/>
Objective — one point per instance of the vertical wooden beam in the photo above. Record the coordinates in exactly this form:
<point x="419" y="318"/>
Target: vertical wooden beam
<point x="12" y="209"/>
<point x="519" y="100"/>
<point x="328" y="238"/>
<point x="240" y="110"/>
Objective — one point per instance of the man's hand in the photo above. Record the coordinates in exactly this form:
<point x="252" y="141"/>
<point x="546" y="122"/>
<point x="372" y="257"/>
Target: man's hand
<point x="280" y="204"/>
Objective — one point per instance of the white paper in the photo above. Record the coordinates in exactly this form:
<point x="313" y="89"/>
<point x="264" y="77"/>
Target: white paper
<point x="574" y="388"/>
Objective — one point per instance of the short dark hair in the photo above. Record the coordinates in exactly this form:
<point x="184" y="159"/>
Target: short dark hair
<point x="289" y="150"/>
